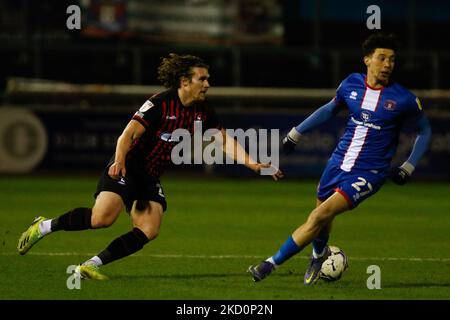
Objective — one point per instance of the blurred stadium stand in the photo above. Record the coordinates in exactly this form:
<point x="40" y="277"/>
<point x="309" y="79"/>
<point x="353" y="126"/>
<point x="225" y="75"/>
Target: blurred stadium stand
<point x="272" y="62"/>
<point x="270" y="43"/>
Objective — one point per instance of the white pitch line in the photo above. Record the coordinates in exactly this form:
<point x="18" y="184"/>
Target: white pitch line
<point x="186" y="256"/>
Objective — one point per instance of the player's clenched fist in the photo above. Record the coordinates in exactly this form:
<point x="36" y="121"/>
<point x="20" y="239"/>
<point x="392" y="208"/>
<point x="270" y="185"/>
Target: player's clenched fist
<point x="117" y="170"/>
<point x="402" y="174"/>
<point x="290" y="141"/>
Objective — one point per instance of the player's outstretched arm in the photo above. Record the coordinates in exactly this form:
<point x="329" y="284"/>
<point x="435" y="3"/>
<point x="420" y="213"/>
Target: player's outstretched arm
<point x="320" y="116"/>
<point x="401" y="175"/>
<point x="235" y="151"/>
<point x="132" y="131"/>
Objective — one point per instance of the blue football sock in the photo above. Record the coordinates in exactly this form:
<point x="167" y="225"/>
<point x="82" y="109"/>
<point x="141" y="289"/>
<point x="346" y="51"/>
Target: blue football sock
<point x="287" y="250"/>
<point x="320" y="243"/>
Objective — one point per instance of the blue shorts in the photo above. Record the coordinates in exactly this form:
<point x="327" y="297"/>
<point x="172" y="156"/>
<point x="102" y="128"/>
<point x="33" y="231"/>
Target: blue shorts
<point x="354" y="186"/>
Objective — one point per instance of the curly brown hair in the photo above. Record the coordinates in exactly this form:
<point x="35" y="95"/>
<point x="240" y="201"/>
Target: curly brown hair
<point x="379" y="40"/>
<point x="174" y="67"/>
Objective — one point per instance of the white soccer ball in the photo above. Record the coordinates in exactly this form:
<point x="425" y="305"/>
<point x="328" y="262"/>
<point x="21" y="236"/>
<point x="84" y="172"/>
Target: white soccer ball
<point x="334" y="266"/>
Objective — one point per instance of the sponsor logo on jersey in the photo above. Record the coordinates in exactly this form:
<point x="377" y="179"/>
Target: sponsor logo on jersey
<point x="390" y="105"/>
<point x="353" y="95"/>
<point x="365" y="124"/>
<point x="166" y="136"/>
<point x="171" y="117"/>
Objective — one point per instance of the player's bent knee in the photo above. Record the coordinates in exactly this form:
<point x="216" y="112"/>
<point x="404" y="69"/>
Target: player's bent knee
<point x="148" y="220"/>
<point x="107" y="208"/>
<point x="100" y="222"/>
<point x="101" y="219"/>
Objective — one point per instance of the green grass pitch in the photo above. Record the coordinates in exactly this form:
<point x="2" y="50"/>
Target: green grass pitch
<point x="215" y="228"/>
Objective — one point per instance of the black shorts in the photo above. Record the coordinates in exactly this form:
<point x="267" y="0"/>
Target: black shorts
<point x="133" y="187"/>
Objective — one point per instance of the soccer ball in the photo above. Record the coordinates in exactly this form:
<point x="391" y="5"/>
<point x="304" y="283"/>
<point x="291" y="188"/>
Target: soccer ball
<point x="334" y="266"/>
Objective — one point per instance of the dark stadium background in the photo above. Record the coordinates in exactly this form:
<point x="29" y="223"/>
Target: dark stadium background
<point x="284" y="45"/>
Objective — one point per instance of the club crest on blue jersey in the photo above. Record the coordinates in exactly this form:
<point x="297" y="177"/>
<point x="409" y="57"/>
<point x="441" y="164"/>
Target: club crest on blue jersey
<point x="390" y="105"/>
<point x="365" y="116"/>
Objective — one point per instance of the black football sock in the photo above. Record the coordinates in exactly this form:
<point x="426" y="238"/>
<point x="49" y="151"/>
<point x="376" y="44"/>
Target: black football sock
<point x="75" y="220"/>
<point x="123" y="246"/>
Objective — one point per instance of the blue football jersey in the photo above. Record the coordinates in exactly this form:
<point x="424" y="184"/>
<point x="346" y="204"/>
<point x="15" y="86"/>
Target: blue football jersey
<point x="375" y="119"/>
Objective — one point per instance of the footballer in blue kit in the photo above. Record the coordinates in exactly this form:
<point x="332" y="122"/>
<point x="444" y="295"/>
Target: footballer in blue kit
<point x="361" y="161"/>
<point x="377" y="109"/>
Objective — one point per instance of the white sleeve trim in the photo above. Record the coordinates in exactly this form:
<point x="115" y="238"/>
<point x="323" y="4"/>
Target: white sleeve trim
<point x="408" y="167"/>
<point x="294" y="135"/>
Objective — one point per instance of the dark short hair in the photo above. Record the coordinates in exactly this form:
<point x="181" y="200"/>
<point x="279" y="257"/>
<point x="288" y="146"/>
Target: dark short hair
<point x="379" y="40"/>
<point x="174" y="67"/>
